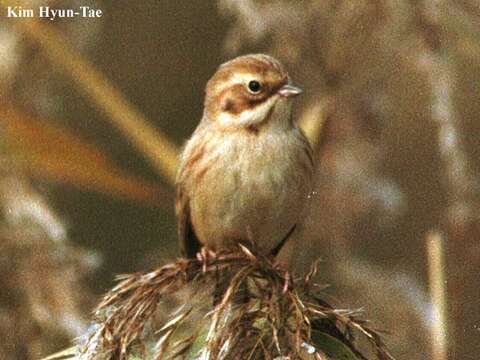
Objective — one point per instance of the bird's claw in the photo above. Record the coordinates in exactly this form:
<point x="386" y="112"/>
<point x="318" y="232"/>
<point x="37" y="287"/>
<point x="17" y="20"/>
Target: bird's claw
<point x="287" y="283"/>
<point x="204" y="255"/>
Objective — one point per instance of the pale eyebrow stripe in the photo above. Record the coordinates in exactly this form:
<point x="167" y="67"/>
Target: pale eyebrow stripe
<point x="236" y="78"/>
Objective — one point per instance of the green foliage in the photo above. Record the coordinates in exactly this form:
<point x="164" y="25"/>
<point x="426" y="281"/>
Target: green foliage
<point x="332" y="347"/>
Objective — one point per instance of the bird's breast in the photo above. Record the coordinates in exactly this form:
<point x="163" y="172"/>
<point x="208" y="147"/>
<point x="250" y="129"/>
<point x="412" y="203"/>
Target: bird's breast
<point x="249" y="186"/>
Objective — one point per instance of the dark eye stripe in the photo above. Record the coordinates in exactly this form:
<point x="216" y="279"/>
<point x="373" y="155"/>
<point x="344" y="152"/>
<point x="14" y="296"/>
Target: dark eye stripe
<point x="238" y="98"/>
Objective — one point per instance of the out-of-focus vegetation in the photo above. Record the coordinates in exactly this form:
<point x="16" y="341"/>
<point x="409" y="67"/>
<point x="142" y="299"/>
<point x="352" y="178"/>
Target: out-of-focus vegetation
<point x="394" y="84"/>
<point x="399" y="158"/>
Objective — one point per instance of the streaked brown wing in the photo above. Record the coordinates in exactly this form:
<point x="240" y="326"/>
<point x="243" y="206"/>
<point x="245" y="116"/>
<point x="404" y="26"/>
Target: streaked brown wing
<point x="187" y="239"/>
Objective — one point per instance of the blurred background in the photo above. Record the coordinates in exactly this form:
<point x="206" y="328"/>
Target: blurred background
<point x="390" y="102"/>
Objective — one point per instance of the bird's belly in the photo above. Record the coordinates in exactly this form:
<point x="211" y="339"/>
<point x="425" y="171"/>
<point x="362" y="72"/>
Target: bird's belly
<point x="252" y="198"/>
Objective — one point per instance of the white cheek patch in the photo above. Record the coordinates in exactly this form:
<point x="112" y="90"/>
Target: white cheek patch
<point x="226" y="119"/>
<point x="258" y="113"/>
<point x="248" y="117"/>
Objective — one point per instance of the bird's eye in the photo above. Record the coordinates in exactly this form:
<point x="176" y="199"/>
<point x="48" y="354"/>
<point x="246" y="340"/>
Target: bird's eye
<point x="254" y="86"/>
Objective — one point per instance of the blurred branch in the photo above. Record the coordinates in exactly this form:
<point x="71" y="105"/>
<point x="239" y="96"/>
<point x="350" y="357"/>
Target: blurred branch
<point x="314" y="122"/>
<point x="436" y="276"/>
<point x="43" y="298"/>
<point x="160" y="151"/>
<point x="461" y="185"/>
<point x="433" y="62"/>
<point x="51" y="152"/>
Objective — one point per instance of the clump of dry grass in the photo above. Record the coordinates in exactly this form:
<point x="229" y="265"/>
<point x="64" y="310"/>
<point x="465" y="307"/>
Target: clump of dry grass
<point x="235" y="306"/>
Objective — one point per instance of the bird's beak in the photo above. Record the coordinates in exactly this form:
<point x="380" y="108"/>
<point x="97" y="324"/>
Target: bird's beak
<point x="289" y="91"/>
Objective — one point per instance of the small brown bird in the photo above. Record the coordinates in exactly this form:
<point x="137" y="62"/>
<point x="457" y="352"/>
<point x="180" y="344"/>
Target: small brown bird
<point x="246" y="172"/>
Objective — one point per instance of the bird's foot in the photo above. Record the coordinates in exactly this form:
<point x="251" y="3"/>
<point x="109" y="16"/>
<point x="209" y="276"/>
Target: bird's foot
<point x="204" y="256"/>
<point x="287" y="283"/>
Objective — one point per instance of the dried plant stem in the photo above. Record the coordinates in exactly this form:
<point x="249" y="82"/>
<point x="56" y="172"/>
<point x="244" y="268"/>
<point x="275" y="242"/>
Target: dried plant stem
<point x="460" y="181"/>
<point x="440" y="74"/>
<point x="436" y="276"/>
<point x="159" y="150"/>
<point x="314" y="122"/>
<point x="271" y="321"/>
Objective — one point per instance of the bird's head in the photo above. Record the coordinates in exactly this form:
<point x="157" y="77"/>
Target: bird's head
<point x="248" y="91"/>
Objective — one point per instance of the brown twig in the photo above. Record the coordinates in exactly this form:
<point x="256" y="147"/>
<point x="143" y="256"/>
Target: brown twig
<point x="436" y="277"/>
<point x="160" y="151"/>
<point x="460" y="181"/>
